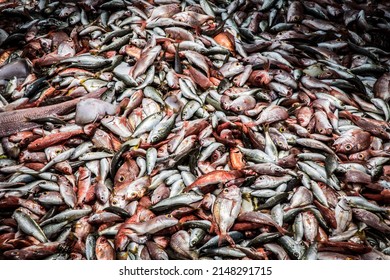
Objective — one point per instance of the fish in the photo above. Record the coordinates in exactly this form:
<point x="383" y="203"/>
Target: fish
<point x="199" y="130"/>
<point x="22" y="116"/>
<point x="225" y="210"/>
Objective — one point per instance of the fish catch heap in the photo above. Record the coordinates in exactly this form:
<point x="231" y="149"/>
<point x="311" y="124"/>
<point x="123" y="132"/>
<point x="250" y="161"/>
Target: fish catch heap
<point x="195" y="129"/>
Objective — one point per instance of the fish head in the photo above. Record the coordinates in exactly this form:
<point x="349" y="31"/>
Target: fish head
<point x="231" y="69"/>
<point x="108" y="120"/>
<point x="232" y="192"/>
<point x="126" y="173"/>
<point x="225" y="102"/>
<point x="260" y="77"/>
<point x="183" y="17"/>
<point x="344" y="147"/>
<point x="137" y="192"/>
<point x="118" y="200"/>
<point x="325" y="131"/>
<point x="353" y="141"/>
<point x="144" y="215"/>
<point x="167" y="219"/>
<point x="360" y="156"/>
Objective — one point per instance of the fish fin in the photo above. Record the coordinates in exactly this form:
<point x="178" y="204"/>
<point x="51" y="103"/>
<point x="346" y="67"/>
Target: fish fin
<point x="229" y="239"/>
<point x="198" y="30"/>
<point x="143" y="25"/>
<point x="221" y="238"/>
<point x="187" y="189"/>
<point x="226" y="59"/>
<point x="349" y="115"/>
<point x="18" y="233"/>
<point x="294" y="107"/>
<point x="212" y="228"/>
<point x="282" y="230"/>
<point x="267" y="65"/>
<point x="250" y="124"/>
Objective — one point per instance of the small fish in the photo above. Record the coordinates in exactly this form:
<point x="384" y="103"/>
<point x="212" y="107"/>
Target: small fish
<point x="225" y="210"/>
<point x="29" y="226"/>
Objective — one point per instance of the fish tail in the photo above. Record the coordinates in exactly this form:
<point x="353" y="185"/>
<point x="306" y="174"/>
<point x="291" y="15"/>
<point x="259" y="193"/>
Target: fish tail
<point x="282" y="230"/>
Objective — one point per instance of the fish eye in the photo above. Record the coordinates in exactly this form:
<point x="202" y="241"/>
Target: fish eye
<point x="114" y="202"/>
<point x="133" y="194"/>
<point x="348" y="147"/>
<point x="361" y="156"/>
<point x="225" y="190"/>
<point x="282" y="129"/>
<point x="168" y="215"/>
<point x="280" y="143"/>
<point x="58" y="152"/>
<point x="121" y="178"/>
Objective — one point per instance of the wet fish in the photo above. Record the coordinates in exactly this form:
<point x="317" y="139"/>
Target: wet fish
<point x="194" y="130"/>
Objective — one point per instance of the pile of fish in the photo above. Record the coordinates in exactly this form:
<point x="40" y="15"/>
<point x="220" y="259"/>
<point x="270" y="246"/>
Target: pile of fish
<point x="197" y="129"/>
